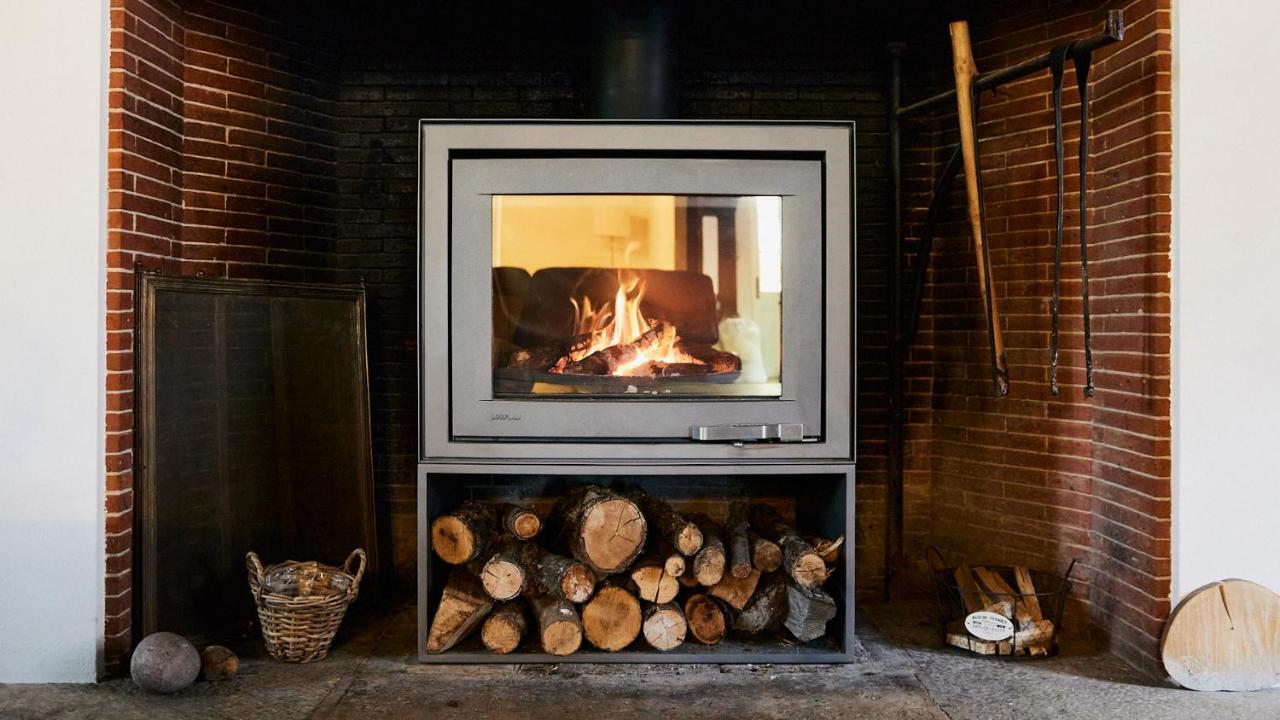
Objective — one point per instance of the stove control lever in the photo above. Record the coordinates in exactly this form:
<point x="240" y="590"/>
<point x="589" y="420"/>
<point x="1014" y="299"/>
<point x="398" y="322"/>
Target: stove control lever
<point x="775" y="432"/>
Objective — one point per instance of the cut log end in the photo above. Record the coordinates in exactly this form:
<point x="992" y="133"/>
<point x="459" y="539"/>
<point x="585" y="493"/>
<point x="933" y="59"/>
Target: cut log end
<point x="689" y="540"/>
<point x="706" y="619"/>
<point x="611" y="620"/>
<point x="452" y="540"/>
<point x="504" y="628"/>
<point x="809" y="570"/>
<point x="525" y="525"/>
<point x="559" y="628"/>
<point x="578" y="582"/>
<point x="503" y="578"/>
<point x="675" y="565"/>
<point x="655" y="584"/>
<point x="708" y="565"/>
<point x="765" y="556"/>
<point x="664" y="627"/>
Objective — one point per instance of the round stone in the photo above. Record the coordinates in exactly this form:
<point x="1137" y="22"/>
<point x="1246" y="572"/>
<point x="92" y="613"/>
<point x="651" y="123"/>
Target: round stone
<point x="218" y="663"/>
<point x="164" y="663"/>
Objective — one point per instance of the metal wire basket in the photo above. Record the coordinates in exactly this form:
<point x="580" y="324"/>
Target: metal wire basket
<point x="999" y="609"/>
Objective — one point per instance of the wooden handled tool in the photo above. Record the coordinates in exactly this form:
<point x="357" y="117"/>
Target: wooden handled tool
<point x="966" y="71"/>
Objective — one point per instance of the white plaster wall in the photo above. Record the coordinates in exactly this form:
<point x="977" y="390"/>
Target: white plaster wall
<point x="52" y="190"/>
<point x="1226" y="309"/>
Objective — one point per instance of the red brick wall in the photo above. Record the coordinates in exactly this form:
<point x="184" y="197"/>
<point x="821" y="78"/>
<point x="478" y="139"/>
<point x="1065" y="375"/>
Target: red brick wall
<point x="220" y="163"/>
<point x="1031" y="478"/>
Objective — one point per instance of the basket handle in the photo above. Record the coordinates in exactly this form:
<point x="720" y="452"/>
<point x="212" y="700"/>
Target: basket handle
<point x="357" y="554"/>
<point x="930" y="553"/>
<point x="254" y="566"/>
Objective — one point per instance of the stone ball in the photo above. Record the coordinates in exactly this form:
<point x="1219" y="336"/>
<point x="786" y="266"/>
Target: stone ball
<point x="218" y="663"/>
<point x="164" y="663"/>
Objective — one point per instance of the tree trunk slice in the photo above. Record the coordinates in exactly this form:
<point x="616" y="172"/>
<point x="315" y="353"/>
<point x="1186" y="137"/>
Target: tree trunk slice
<point x="520" y="522"/>
<point x="767" y="607"/>
<point x="504" y="628"/>
<point x="664" y="626"/>
<point x="739" y="547"/>
<point x="503" y="574"/>
<point x="709" y="563"/>
<point x="669" y="526"/>
<point x="736" y="592"/>
<point x="653" y="583"/>
<point x="1224" y="636"/>
<point x="559" y="628"/>
<point x="611" y="619"/>
<point x="707" y="620"/>
<point x="556" y="575"/>
<point x="766" y="556"/>
<point x="799" y="559"/>
<point x="601" y="528"/>
<point x="463" y="604"/>
<point x="808" y="612"/>
<point x="461" y="536"/>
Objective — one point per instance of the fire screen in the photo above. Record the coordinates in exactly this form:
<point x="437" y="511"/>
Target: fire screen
<point x="637" y="295"/>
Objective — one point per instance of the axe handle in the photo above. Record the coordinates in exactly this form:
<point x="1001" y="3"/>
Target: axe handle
<point x="966" y="72"/>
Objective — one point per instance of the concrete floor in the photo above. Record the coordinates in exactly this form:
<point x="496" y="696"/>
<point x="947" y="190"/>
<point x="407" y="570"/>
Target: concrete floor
<point x="900" y="673"/>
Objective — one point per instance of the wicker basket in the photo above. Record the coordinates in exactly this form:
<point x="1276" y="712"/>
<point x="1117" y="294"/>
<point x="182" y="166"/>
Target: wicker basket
<point x="301" y="604"/>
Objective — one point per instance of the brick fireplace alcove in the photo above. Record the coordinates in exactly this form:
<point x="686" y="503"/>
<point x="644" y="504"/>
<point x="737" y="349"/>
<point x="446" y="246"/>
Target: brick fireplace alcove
<point x="255" y="140"/>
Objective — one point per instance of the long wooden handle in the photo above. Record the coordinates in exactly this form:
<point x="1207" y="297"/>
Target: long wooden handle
<point x="966" y="70"/>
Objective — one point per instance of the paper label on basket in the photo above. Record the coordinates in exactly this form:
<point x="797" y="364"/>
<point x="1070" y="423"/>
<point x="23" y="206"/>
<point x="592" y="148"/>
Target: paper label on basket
<point x="989" y="626"/>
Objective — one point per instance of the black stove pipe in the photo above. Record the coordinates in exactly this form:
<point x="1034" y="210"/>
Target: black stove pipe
<point x="633" y="61"/>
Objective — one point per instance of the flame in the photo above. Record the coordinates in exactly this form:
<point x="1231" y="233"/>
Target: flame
<point x="620" y="323"/>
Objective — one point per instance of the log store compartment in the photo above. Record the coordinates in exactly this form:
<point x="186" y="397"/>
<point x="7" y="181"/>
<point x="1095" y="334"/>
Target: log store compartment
<point x="818" y="498"/>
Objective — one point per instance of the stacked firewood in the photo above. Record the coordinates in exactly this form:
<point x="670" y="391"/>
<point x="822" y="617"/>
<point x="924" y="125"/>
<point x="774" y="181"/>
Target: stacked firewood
<point x="983" y="589"/>
<point x="610" y="568"/>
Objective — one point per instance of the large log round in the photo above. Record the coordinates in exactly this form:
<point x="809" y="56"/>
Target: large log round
<point x="601" y="528"/>
<point x="611" y="620"/>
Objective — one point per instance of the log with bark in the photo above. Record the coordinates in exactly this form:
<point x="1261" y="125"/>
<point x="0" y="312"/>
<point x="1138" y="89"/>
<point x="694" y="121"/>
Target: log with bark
<point x="799" y="559"/>
<point x="556" y="575"/>
<point x="559" y="627"/>
<point x="463" y="604"/>
<point x="767" y="607"/>
<point x="520" y="522"/>
<point x="611" y="619"/>
<point x="503" y="574"/>
<point x="667" y="525"/>
<point x="462" y="535"/>
<point x="601" y="528"/>
<point x="738" y="543"/>
<point x="708" y="620"/>
<point x="808" y="611"/>
<point x="664" y="626"/>
<point x="734" y="591"/>
<point x="709" y="563"/>
<point x="766" y="556"/>
<point x="504" y="628"/>
<point x="653" y="583"/>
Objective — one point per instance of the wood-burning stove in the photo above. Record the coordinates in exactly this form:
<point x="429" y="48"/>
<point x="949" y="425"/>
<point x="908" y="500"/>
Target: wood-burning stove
<point x="647" y="304"/>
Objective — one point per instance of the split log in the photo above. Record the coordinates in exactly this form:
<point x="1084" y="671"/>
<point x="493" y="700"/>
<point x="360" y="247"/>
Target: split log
<point x="970" y="594"/>
<point x="707" y="619"/>
<point x="739" y="546"/>
<point x="959" y="637"/>
<point x="504" y="628"/>
<point x="664" y="626"/>
<point x="463" y="604"/>
<point x="611" y="620"/>
<point x="610" y="359"/>
<point x="558" y="576"/>
<point x="601" y="528"/>
<point x="799" y="559"/>
<point x="996" y="584"/>
<point x="1028" y="590"/>
<point x="520" y="522"/>
<point x="559" y="628"/>
<point x="734" y="591"/>
<point x="462" y="535"/>
<point x="503" y="573"/>
<point x="766" y="556"/>
<point x="808" y="611"/>
<point x="766" y="608"/>
<point x="669" y="526"/>
<point x="653" y="582"/>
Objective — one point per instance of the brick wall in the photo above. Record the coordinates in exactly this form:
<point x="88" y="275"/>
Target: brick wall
<point x="1031" y="478"/>
<point x="220" y="163"/>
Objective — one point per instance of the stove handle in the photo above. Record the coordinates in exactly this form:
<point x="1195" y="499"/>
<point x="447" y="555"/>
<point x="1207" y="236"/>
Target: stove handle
<point x="775" y="432"/>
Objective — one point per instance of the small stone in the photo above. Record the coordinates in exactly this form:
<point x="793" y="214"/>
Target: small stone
<point x="164" y="663"/>
<point x="218" y="663"/>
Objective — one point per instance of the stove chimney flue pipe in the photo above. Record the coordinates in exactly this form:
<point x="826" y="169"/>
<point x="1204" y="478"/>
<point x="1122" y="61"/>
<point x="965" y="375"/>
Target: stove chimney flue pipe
<point x="633" y="61"/>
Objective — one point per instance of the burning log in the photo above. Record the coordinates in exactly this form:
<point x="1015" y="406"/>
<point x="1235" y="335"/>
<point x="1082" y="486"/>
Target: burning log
<point x="765" y="556"/>
<point x="613" y="359"/>
<point x="462" y="606"/>
<point x="739" y="547"/>
<point x="670" y="526"/>
<point x="463" y="534"/>
<point x="717" y="361"/>
<point x="546" y="357"/>
<point x="504" y="628"/>
<point x="520" y="522"/>
<point x="767" y="607"/>
<point x="601" y="528"/>
<point x="653" y="582"/>
<point x="611" y="619"/>
<point x="664" y="626"/>
<point x="799" y="559"/>
<point x="707" y="619"/>
<point x="808" y="611"/>
<point x="559" y="627"/>
<point x="736" y="592"/>
<point x="709" y="562"/>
